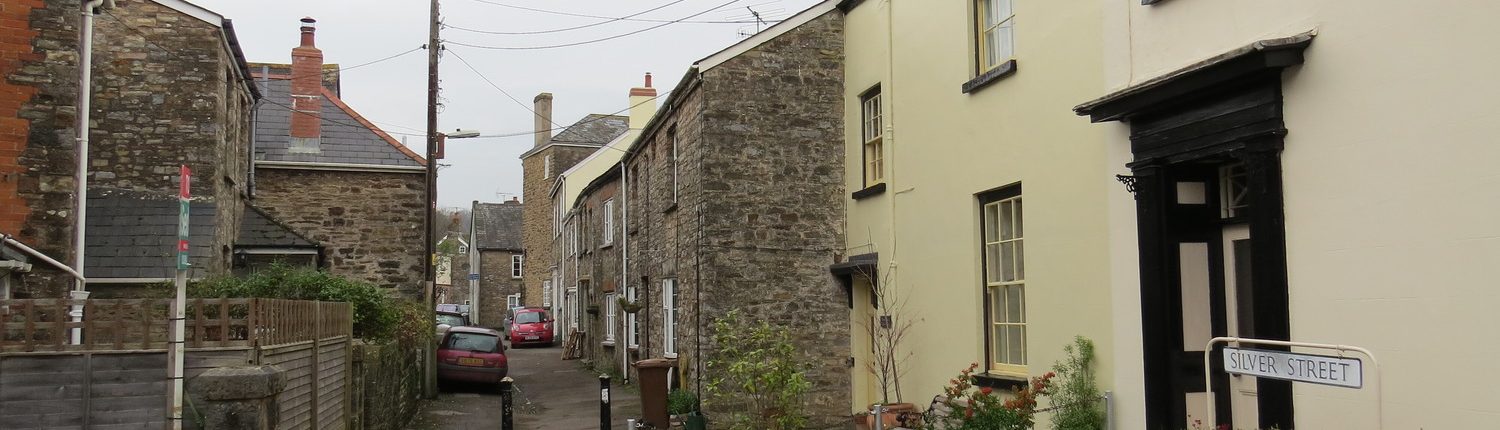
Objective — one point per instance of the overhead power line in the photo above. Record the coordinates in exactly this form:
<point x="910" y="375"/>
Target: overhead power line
<point x="580" y="15"/>
<point x="586" y="121"/>
<point x="147" y="39"/>
<point x="559" y="30"/>
<point x="586" y="42"/>
<point x="501" y="90"/>
<point x="251" y="81"/>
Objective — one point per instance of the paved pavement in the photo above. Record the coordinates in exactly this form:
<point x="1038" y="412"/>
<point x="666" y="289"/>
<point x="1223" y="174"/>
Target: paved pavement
<point x="552" y="395"/>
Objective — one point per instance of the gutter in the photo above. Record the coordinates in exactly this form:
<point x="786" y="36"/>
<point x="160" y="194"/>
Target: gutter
<point x="343" y="167"/>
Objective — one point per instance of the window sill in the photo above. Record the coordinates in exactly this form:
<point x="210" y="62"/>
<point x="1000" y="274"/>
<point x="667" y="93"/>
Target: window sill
<point x="984" y="79"/>
<point x="606" y="246"/>
<point x="608" y="344"/>
<point x="998" y="381"/>
<point x="669" y="355"/>
<point x="870" y="191"/>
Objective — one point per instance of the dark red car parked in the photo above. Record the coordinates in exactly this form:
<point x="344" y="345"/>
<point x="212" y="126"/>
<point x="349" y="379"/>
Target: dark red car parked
<point x="531" y="326"/>
<point x="472" y="354"/>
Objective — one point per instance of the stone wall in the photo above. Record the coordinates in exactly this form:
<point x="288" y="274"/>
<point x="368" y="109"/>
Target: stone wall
<point x="495" y="283"/>
<point x="166" y="92"/>
<point x="758" y="215"/>
<point x="387" y="385"/>
<point x="773" y="193"/>
<point x="598" y="269"/>
<point x="369" y="223"/>
<point x="537" y="233"/>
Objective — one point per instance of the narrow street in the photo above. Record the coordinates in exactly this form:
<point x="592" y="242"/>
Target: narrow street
<point x="551" y="394"/>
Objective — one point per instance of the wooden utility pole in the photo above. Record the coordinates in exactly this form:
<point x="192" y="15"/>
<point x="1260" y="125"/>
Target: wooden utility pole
<point x="434" y="47"/>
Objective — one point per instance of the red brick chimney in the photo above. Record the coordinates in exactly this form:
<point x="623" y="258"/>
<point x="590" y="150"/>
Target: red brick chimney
<point x="307" y="98"/>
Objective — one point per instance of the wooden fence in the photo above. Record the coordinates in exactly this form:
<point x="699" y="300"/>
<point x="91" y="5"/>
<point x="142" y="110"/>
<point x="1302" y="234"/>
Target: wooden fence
<point x="143" y="324"/>
<point x="308" y="340"/>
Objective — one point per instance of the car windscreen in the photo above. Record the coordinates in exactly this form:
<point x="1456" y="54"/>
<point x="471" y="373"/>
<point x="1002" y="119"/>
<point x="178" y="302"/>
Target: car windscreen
<point x="529" y="317"/>
<point x="472" y="342"/>
<point x="453" y="320"/>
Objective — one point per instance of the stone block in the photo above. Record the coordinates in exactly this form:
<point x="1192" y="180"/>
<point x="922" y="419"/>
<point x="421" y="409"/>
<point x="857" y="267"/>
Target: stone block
<point x="239" y="383"/>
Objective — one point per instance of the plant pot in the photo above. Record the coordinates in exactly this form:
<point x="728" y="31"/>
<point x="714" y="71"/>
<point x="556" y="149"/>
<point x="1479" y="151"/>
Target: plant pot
<point x="892" y="416"/>
<point x="862" y="421"/>
<point x="695" y="422"/>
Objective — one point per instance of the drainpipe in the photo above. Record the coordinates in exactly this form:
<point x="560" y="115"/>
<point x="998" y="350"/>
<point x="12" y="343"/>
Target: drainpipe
<point x="624" y="268"/>
<point x="85" y="91"/>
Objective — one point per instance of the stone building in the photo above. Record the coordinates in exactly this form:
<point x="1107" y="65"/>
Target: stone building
<point x="496" y="257"/>
<point x="731" y="201"/>
<point x="331" y="174"/>
<point x="540" y="167"/>
<point x="170" y="88"/>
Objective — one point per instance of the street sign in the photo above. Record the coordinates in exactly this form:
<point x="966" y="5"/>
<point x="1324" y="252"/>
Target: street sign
<point x="1290" y="366"/>
<point x="473" y="276"/>
<point x="184" y="196"/>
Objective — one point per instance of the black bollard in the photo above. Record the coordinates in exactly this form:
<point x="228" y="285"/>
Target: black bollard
<point x="506" y="412"/>
<point x="604" y="402"/>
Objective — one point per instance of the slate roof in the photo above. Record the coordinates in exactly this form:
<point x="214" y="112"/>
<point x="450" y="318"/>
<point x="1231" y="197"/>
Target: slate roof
<point x="258" y="229"/>
<point x="497" y="226"/>
<point x="594" y="129"/>
<point x="346" y="137"/>
<point x="136" y="236"/>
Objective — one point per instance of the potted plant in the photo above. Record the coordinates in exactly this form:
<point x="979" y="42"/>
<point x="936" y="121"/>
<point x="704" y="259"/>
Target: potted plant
<point x="888" y="329"/>
<point x="680" y="403"/>
<point x="628" y="306"/>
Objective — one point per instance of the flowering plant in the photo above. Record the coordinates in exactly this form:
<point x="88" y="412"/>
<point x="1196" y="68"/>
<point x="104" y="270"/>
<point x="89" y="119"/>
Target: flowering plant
<point x="980" y="408"/>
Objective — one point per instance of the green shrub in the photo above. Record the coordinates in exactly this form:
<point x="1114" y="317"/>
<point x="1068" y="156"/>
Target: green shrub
<point x="681" y="401"/>
<point x="1077" y="396"/>
<point x="755" y="376"/>
<point x="376" y="315"/>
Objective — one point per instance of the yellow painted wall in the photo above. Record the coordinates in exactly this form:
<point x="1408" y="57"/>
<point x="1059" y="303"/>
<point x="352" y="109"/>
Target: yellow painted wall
<point x="946" y="146"/>
<point x="1391" y="191"/>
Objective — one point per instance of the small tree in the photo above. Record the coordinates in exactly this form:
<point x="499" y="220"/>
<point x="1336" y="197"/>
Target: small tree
<point x="888" y="330"/>
<point x="756" y="376"/>
<point x="1077" y="396"/>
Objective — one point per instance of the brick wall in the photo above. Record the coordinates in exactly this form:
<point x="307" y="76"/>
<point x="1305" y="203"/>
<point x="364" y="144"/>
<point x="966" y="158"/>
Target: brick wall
<point x="369" y="223"/>
<point x="16" y="43"/>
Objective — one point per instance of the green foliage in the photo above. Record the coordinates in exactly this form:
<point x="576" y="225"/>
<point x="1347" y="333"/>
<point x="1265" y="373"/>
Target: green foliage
<point x="756" y="376"/>
<point x="376" y="315"/>
<point x="980" y="408"/>
<point x="1077" y="396"/>
<point x="681" y="401"/>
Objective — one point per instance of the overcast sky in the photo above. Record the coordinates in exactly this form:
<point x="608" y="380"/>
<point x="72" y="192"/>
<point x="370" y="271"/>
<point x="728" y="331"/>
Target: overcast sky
<point x="584" y="79"/>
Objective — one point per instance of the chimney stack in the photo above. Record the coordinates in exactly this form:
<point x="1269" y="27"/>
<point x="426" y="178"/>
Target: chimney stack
<point x="543" y="108"/>
<point x="307" y="97"/>
<point x="642" y="104"/>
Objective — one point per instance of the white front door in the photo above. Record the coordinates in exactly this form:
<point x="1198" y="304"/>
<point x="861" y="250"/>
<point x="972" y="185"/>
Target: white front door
<point x="1240" y="319"/>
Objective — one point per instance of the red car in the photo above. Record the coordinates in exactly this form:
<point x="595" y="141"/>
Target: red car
<point x="472" y="354"/>
<point x="530" y="326"/>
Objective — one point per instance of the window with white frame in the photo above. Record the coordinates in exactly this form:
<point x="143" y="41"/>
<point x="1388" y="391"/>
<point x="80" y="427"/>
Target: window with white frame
<point x="872" y="129"/>
<point x="610" y="308"/>
<point x="1005" y="280"/>
<point x="513" y="301"/>
<point x="547" y="293"/>
<point x="608" y="235"/>
<point x="547" y="166"/>
<point x="994" y="33"/>
<point x="669" y="317"/>
<point x="632" y="326"/>
<point x="515" y="265"/>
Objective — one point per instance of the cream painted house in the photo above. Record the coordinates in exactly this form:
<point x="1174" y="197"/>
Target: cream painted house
<point x="976" y="195"/>
<point x="1321" y="171"/>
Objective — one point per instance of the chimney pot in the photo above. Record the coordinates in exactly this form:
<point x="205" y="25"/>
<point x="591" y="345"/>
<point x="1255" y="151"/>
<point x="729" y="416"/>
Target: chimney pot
<point x="306" y="91"/>
<point x="648" y="79"/>
<point x="542" y="106"/>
